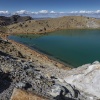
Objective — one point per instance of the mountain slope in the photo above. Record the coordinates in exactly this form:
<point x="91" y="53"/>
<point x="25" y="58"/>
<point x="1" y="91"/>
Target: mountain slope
<point x="48" y="25"/>
<point x="13" y="19"/>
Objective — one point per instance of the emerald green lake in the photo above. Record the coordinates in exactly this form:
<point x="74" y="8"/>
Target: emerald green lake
<point x="74" y="47"/>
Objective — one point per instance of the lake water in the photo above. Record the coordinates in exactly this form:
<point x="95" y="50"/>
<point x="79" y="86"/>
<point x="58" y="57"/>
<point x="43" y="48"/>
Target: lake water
<point x="75" y="47"/>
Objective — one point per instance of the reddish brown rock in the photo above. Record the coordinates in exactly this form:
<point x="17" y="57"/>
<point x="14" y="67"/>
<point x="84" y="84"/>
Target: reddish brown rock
<point x="19" y="94"/>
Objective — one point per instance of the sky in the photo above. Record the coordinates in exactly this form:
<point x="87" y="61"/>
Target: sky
<point x="49" y="7"/>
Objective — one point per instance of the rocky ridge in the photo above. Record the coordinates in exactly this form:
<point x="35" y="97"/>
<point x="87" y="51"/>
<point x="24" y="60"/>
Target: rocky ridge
<point x="53" y="24"/>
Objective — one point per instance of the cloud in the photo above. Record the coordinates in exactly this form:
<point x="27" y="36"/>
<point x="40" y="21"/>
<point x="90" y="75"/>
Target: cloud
<point x="43" y="11"/>
<point x="73" y="12"/>
<point x="25" y="12"/>
<point x="91" y="13"/>
<point x="34" y="13"/>
<point x="81" y="11"/>
<point x="4" y="12"/>
<point x="86" y="12"/>
<point x="52" y="12"/>
<point x="21" y="12"/>
<point x="46" y="13"/>
<point x="98" y="11"/>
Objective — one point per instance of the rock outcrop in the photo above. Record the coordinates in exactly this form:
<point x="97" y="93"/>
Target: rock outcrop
<point x="86" y="78"/>
<point x="4" y="21"/>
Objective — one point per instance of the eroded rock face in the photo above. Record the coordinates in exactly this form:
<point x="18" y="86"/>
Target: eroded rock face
<point x="86" y="78"/>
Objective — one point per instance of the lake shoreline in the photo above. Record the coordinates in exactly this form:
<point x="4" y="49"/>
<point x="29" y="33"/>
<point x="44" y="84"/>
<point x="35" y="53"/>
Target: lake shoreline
<point x="37" y="76"/>
<point x="37" y="63"/>
<point x="38" y="54"/>
<point x="48" y="55"/>
<point x="69" y="55"/>
<point x="46" y="67"/>
<point x="71" y="46"/>
<point x="44" y="55"/>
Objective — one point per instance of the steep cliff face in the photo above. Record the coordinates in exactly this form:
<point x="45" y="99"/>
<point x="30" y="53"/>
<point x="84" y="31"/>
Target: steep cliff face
<point x="48" y="25"/>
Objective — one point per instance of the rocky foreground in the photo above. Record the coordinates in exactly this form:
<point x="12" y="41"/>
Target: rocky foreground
<point x="27" y="79"/>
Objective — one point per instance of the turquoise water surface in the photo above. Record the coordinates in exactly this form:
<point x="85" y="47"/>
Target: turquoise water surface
<point x="75" y="47"/>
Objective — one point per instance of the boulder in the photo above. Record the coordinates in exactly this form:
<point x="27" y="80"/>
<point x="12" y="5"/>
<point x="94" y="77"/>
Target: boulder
<point x="64" y="91"/>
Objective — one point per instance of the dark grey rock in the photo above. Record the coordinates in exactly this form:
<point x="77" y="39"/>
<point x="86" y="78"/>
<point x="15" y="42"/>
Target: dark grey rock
<point x="23" y="76"/>
<point x="13" y="19"/>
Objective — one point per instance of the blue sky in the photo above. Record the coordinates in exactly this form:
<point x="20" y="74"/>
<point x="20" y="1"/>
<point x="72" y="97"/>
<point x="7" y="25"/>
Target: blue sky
<point x="56" y="5"/>
<point x="12" y="6"/>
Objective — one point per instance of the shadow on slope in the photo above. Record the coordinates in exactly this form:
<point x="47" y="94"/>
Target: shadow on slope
<point x="5" y="81"/>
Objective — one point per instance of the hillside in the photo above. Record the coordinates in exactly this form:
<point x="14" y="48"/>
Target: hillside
<point x="5" y="21"/>
<point x="48" y="25"/>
